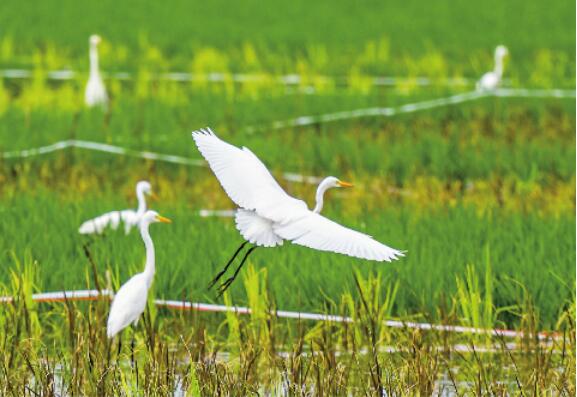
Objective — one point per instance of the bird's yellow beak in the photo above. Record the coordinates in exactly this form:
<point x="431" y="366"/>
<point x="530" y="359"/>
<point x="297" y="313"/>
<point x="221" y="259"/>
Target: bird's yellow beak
<point x="163" y="219"/>
<point x="154" y="197"/>
<point x="344" y="184"/>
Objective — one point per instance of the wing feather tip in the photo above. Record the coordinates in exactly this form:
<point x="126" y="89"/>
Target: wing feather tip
<point x="396" y="255"/>
<point x="207" y="131"/>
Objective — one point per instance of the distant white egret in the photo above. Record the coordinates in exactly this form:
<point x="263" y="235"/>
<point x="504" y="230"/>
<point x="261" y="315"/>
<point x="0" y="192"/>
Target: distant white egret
<point x="95" y="94"/>
<point x="130" y="300"/>
<point x="268" y="215"/>
<point x="491" y="80"/>
<point x="112" y="219"/>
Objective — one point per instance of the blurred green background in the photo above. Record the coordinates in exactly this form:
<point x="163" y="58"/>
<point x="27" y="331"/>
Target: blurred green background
<point x="489" y="183"/>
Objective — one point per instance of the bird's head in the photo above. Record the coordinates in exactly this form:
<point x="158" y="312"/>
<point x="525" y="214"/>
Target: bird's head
<point x="153" y="217"/>
<point x="501" y="51"/>
<point x="144" y="187"/>
<point x="326" y="184"/>
<point x="95" y="39"/>
<point x="332" y="181"/>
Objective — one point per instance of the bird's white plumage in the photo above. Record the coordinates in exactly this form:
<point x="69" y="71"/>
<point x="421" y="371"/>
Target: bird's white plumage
<point x="269" y="215"/>
<point x="130" y="218"/>
<point x="315" y="231"/>
<point x="245" y="178"/>
<point x="95" y="93"/>
<point x="256" y="229"/>
<point x="489" y="81"/>
<point x="128" y="305"/>
<point x="492" y="80"/>
<point x="130" y="300"/>
<point x="110" y="220"/>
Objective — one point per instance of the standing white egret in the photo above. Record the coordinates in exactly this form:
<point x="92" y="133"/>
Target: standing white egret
<point x="112" y="219"/>
<point x="268" y="215"/>
<point x="95" y="94"/>
<point x="491" y="80"/>
<point x="130" y="300"/>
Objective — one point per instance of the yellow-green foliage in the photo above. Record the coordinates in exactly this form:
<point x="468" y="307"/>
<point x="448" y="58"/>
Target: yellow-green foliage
<point x="376" y="52"/>
<point x="23" y="280"/>
<point x="259" y="326"/>
<point x="4" y="97"/>
<point x="232" y="323"/>
<point x="548" y="68"/>
<point x="476" y="301"/>
<point x="6" y="48"/>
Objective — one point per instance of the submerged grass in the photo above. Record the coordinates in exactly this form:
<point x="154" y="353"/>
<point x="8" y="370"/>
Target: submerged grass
<point x="66" y="352"/>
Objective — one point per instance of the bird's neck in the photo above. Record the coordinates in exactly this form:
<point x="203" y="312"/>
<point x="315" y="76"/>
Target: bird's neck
<point x="499" y="65"/>
<point x="141" y="202"/>
<point x="149" y="268"/>
<point x="94" y="60"/>
<point x="320" y="197"/>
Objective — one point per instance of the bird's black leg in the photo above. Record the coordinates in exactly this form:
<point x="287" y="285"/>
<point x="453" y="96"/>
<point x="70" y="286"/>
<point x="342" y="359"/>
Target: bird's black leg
<point x="224" y="286"/>
<point x="219" y="275"/>
<point x="132" y="351"/>
<point x="119" y="345"/>
<point x="109" y="347"/>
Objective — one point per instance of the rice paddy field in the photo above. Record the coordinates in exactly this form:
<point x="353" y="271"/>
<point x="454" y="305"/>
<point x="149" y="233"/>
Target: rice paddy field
<point x="480" y="192"/>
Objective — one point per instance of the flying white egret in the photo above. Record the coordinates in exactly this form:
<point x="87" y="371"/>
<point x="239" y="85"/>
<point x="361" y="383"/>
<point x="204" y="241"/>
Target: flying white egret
<point x="130" y="300"/>
<point x="95" y="94"/>
<point x="491" y="80"/>
<point x="130" y="218"/>
<point x="268" y="215"/>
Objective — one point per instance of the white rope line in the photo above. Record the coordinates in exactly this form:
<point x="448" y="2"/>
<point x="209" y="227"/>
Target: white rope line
<point x="374" y="111"/>
<point x="417" y="106"/>
<point x="290" y="79"/>
<point x="296" y="122"/>
<point x="534" y="93"/>
<point x="24" y="153"/>
<point x="218" y="213"/>
<point x="215" y="77"/>
<point x="62" y="296"/>
<point x="112" y="149"/>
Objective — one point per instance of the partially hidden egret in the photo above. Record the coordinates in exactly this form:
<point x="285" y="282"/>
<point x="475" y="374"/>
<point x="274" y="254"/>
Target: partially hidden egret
<point x="268" y="215"/>
<point x="95" y="94"/>
<point x="491" y="80"/>
<point x="130" y="300"/>
<point x="112" y="219"/>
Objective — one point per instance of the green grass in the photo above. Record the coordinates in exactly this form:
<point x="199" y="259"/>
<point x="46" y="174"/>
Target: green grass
<point x="445" y="184"/>
<point x="46" y="348"/>
<point x="457" y="29"/>
<point x="527" y="139"/>
<point x="535" y="250"/>
<point x="332" y="38"/>
<point x="480" y="194"/>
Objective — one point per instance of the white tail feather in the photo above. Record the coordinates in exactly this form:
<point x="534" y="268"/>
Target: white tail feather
<point x="256" y="229"/>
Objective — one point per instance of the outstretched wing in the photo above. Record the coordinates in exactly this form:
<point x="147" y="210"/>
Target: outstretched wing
<point x="245" y="178"/>
<point x="315" y="231"/>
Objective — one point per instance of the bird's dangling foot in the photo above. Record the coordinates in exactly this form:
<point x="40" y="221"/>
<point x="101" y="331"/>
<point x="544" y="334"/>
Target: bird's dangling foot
<point x="224" y="286"/>
<point x="221" y="273"/>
